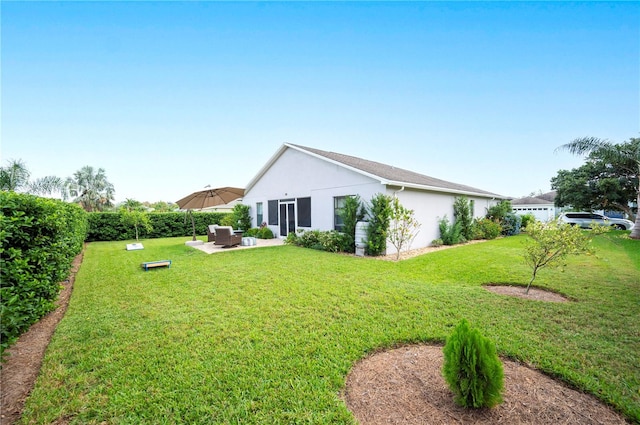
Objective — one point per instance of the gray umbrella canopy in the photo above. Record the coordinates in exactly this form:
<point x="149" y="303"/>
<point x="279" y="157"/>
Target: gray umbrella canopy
<point x="210" y="198"/>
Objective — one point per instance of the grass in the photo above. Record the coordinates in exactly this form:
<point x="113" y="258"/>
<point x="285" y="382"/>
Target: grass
<point x="269" y="335"/>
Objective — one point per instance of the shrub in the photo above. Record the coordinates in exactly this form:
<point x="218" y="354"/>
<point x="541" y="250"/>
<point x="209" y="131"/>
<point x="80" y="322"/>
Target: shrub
<point x="485" y="228"/>
<point x="39" y="238"/>
<point x="472" y="368"/>
<point x="352" y="212"/>
<point x="437" y="242"/>
<point x="499" y="211"/>
<point x="462" y="214"/>
<point x="264" y="233"/>
<point x="526" y="219"/>
<point x="108" y="226"/>
<point x="241" y="217"/>
<point x="331" y="240"/>
<point x="379" y="219"/>
<point x="450" y="234"/>
<point x="511" y="224"/>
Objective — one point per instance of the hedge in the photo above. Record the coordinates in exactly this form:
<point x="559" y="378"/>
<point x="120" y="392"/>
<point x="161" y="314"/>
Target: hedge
<point x="108" y="226"/>
<point x="39" y="238"/>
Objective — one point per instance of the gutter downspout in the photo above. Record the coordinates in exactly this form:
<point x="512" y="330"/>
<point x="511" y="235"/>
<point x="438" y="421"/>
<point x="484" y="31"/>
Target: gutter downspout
<point x="395" y="193"/>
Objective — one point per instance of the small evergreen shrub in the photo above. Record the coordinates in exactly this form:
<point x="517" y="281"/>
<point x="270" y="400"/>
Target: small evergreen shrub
<point x="472" y="368"/>
<point x="462" y="214"/>
<point x="451" y="234"/>
<point x="379" y="220"/>
<point x="437" y="242"/>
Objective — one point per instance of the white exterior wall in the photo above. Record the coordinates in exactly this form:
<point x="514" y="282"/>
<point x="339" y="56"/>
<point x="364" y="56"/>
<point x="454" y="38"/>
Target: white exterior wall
<point x="541" y="212"/>
<point x="298" y="175"/>
<point x="429" y="208"/>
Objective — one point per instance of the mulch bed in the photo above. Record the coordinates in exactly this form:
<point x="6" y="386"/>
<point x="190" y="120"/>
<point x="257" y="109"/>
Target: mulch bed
<point x="405" y="386"/>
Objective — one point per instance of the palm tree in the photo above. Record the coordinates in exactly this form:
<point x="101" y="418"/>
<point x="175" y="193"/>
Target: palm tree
<point x="15" y="177"/>
<point x="625" y="156"/>
<point x="90" y="188"/>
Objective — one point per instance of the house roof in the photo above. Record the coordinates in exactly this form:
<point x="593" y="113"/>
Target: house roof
<point x="545" y="198"/>
<point x="384" y="173"/>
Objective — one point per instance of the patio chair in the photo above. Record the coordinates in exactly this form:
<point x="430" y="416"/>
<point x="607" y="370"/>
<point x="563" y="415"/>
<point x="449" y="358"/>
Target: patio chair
<point x="226" y="237"/>
<point x="211" y="232"/>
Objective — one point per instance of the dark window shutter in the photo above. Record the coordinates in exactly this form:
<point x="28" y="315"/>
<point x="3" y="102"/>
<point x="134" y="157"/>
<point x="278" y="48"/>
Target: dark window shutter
<point x="304" y="212"/>
<point x="273" y="213"/>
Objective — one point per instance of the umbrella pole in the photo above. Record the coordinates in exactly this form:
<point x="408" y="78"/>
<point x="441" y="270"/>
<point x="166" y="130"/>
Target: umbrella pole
<point x="193" y="224"/>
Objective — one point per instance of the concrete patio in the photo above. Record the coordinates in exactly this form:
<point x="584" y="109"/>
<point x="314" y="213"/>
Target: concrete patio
<point x="210" y="248"/>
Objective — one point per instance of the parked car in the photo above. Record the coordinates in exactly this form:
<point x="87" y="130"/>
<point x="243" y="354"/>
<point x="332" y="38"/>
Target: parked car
<point x="586" y="220"/>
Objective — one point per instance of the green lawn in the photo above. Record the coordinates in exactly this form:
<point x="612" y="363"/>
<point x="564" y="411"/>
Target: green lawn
<point x="269" y="335"/>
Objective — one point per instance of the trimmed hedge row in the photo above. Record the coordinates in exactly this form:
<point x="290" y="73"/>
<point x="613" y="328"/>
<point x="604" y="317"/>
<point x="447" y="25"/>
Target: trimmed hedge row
<point x="108" y="226"/>
<point x="39" y="238"/>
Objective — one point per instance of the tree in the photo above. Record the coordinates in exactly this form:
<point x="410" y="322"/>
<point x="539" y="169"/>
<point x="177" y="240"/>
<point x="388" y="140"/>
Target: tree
<point x="241" y="217"/>
<point x="379" y="218"/>
<point x="352" y="212"/>
<point x="595" y="185"/>
<point x="15" y="177"/>
<point x="91" y="189"/>
<point x="549" y="244"/>
<point x="463" y="215"/>
<point x="617" y="159"/>
<point x="133" y="213"/>
<point x="403" y="227"/>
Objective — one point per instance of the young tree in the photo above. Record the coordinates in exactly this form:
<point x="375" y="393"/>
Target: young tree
<point x="241" y="217"/>
<point x="91" y="189"/>
<point x="549" y="244"/>
<point x="403" y="227"/>
<point x="133" y="213"/>
<point x="472" y="368"/>
<point x="352" y="212"/>
<point x="624" y="156"/>
<point x="463" y="215"/>
<point x="379" y="218"/>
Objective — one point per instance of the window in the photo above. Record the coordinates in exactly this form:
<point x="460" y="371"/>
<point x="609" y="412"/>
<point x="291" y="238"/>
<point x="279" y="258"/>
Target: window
<point x="259" y="214"/>
<point x="304" y="212"/>
<point x="338" y="207"/>
<point x="273" y="213"/>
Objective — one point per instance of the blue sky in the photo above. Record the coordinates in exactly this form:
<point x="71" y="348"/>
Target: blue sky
<point x="168" y="97"/>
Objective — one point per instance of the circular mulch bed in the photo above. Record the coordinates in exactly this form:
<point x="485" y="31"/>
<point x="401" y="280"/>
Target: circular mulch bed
<point x="405" y="386"/>
<point x="534" y="293"/>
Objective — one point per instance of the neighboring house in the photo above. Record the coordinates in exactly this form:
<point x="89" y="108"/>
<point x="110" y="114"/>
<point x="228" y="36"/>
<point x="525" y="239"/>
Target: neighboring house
<point x="226" y="208"/>
<point x="541" y="206"/>
<point x="304" y="188"/>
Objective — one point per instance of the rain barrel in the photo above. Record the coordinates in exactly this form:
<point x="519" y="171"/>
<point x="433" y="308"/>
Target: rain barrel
<point x="361" y="237"/>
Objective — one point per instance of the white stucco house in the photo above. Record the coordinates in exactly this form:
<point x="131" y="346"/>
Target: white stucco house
<point x="303" y="188"/>
<point x="542" y="207"/>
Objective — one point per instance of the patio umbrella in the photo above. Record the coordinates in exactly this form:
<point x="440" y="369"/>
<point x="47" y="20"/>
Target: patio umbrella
<point x="210" y="198"/>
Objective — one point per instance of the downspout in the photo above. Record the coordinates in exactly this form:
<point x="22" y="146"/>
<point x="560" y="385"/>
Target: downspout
<point x="398" y="191"/>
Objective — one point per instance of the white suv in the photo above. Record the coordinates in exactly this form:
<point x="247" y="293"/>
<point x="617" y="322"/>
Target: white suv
<point x="587" y="219"/>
